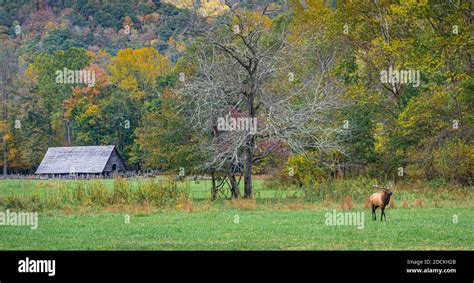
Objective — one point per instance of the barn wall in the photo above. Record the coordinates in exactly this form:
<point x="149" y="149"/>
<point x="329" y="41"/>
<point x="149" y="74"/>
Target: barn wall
<point x="114" y="159"/>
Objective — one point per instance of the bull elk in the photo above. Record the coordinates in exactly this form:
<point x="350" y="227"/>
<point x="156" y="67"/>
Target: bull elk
<point x="380" y="199"/>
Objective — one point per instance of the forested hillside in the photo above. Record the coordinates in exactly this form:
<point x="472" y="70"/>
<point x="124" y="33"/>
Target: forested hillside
<point x="338" y="88"/>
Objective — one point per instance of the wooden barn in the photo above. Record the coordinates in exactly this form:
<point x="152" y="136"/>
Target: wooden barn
<point x="81" y="161"/>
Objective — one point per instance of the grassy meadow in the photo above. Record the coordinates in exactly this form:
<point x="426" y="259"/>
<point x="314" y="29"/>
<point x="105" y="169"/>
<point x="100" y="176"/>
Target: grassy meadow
<point x="74" y="216"/>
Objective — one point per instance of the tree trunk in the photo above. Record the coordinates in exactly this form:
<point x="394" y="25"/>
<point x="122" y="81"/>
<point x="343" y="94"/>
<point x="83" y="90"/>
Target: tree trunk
<point x="4" y="158"/>
<point x="248" y="164"/>
<point x="250" y="145"/>
<point x="68" y="132"/>
<point x="5" y="118"/>
<point x="234" y="189"/>
<point x="214" y="188"/>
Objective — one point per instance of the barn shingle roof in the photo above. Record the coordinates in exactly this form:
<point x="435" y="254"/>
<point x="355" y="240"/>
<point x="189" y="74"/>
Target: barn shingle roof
<point x="75" y="159"/>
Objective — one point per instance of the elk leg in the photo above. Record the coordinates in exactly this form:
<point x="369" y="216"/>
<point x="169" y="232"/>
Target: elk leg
<point x="383" y="214"/>
<point x="374" y="214"/>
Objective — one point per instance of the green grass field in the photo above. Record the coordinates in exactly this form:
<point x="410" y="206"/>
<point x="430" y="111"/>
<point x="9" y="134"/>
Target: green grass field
<point x="283" y="224"/>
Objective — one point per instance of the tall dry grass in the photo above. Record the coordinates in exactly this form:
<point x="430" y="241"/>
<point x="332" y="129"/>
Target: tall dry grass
<point x="158" y="194"/>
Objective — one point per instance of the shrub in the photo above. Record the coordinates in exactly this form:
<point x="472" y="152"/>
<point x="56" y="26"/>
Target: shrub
<point x="121" y="194"/>
<point x="299" y="169"/>
<point x="15" y="201"/>
<point x="346" y="203"/>
<point x="160" y="193"/>
<point x="405" y="204"/>
<point x="419" y="202"/>
<point x="31" y="202"/>
<point x="79" y="195"/>
<point x="98" y="194"/>
<point x="455" y="162"/>
<point x="185" y="203"/>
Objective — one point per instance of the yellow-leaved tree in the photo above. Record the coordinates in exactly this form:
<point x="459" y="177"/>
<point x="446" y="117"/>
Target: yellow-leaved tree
<point x="136" y="71"/>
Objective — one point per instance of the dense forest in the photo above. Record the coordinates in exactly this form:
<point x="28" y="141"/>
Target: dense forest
<point x="338" y="88"/>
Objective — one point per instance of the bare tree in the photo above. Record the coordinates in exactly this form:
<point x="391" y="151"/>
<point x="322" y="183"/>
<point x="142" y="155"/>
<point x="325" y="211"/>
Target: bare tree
<point x="246" y="67"/>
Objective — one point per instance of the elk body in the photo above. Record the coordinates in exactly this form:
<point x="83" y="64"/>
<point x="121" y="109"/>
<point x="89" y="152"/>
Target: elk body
<point x="380" y="199"/>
